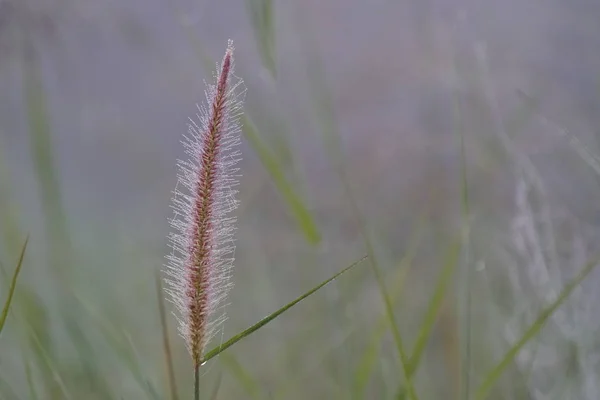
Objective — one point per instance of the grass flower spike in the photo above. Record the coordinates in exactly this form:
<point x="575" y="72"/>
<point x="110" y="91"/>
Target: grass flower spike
<point x="202" y="240"/>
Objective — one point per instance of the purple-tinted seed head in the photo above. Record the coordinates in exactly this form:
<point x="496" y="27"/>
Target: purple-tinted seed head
<point x="203" y="243"/>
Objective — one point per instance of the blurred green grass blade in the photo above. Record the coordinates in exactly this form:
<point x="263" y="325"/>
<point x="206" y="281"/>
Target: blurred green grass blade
<point x="29" y="376"/>
<point x="40" y="137"/>
<point x="165" y="340"/>
<point x="496" y="372"/>
<point x="582" y="150"/>
<point x="76" y="333"/>
<point x="245" y="379"/>
<point x="389" y="312"/>
<point x="13" y="286"/>
<point x="122" y="345"/>
<point x="283" y="149"/>
<point x="236" y="338"/>
<point x="525" y="113"/>
<point x="322" y="100"/>
<point x="263" y="24"/>
<point x="216" y="388"/>
<point x="368" y="360"/>
<point x="323" y="106"/>
<point x="435" y="305"/>
<point x="388" y="304"/>
<point x="145" y="383"/>
<point x="55" y="384"/>
<point x="286" y="389"/>
<point x="297" y="208"/>
<point x="9" y="212"/>
<point x="207" y="62"/>
<point x="6" y="390"/>
<point x="465" y="288"/>
<point x="370" y="355"/>
<point x="36" y="326"/>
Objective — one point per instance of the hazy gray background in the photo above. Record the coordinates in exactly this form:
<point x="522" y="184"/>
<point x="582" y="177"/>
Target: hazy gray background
<point x="122" y="77"/>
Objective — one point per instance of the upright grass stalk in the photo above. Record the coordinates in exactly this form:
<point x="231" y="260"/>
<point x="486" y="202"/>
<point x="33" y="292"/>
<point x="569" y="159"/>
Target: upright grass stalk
<point x="203" y="243"/>
<point x="41" y="147"/>
<point x="466" y="281"/>
<point x="166" y="343"/>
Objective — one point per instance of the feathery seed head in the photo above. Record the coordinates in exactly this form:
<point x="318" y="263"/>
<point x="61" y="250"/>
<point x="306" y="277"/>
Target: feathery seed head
<point x="202" y="243"/>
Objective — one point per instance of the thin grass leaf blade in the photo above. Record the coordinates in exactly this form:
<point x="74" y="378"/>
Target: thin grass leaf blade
<point x="40" y="134"/>
<point x="165" y="341"/>
<point x="55" y="384"/>
<point x="9" y="212"/>
<point x="6" y="389"/>
<point x="369" y="356"/>
<point x="466" y="273"/>
<point x="371" y="353"/>
<point x="493" y="376"/>
<point x="122" y="345"/>
<point x="30" y="383"/>
<point x="245" y="379"/>
<point x="215" y="391"/>
<point x="299" y="211"/>
<point x="325" y="115"/>
<point x="236" y="338"/>
<point x="35" y="326"/>
<point x="435" y="305"/>
<point x="261" y="16"/>
<point x="78" y="337"/>
<point x="13" y="285"/>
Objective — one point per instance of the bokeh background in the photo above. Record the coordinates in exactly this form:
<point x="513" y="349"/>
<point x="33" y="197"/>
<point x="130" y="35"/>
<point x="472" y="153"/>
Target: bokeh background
<point x="355" y="115"/>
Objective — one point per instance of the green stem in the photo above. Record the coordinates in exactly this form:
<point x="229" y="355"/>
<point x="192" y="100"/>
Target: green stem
<point x="197" y="382"/>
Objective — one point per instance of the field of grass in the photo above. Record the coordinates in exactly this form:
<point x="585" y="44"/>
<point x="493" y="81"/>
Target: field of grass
<point x="417" y="228"/>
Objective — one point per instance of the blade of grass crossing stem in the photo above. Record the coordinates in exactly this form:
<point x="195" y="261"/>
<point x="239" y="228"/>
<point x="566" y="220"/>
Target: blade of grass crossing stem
<point x="389" y="309"/>
<point x="433" y="311"/>
<point x="13" y="286"/>
<point x="369" y="358"/>
<point x="262" y="17"/>
<point x="299" y="211"/>
<point x="435" y="305"/>
<point x="370" y="355"/>
<point x="165" y="341"/>
<point x="388" y="304"/>
<point x="249" y="384"/>
<point x="236" y="338"/>
<point x="533" y="330"/>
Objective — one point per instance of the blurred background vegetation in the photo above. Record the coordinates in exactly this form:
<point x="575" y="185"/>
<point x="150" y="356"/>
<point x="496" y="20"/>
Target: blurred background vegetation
<point x="355" y="115"/>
